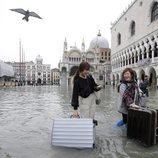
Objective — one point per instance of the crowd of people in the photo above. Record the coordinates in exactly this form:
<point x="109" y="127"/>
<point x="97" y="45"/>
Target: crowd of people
<point x="86" y="91"/>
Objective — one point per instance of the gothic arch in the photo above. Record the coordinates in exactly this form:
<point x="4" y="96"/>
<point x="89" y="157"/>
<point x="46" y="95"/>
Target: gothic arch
<point x="141" y="74"/>
<point x="74" y="56"/>
<point x="73" y="70"/>
<point x="152" y="74"/>
<point x="64" y="69"/>
<point x="90" y="56"/>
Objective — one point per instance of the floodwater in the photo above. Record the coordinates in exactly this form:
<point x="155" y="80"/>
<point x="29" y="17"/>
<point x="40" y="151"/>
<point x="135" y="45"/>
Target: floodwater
<point x="26" y="117"/>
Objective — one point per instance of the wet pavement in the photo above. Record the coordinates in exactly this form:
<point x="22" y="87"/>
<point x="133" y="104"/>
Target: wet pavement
<point x="26" y="117"/>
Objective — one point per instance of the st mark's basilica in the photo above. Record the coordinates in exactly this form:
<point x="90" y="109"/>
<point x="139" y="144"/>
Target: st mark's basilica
<point x="98" y="55"/>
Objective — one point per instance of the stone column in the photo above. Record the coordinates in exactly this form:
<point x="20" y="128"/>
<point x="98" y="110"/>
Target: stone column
<point x="147" y="50"/>
<point x="134" y="56"/>
<point x="153" y="49"/>
<point x="119" y="61"/>
<point x="142" y="54"/>
<point x="138" y="56"/>
<point x="138" y="80"/>
<point x="138" y="51"/>
<point x="142" y="51"/>
<point x="147" y="47"/>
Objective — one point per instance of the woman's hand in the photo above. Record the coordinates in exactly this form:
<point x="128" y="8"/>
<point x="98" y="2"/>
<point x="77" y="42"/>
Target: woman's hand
<point x="75" y="113"/>
<point x="141" y="94"/>
<point x="134" y="106"/>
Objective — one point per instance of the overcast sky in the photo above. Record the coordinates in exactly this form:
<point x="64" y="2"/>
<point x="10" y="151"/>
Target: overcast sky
<point x="73" y="19"/>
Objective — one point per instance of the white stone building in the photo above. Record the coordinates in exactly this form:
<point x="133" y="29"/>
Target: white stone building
<point x="37" y="73"/>
<point x="98" y="55"/>
<point x="135" y="41"/>
<point x="19" y="71"/>
<point x="55" y="76"/>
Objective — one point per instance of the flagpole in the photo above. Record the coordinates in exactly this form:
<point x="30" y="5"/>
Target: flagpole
<point x="20" y="58"/>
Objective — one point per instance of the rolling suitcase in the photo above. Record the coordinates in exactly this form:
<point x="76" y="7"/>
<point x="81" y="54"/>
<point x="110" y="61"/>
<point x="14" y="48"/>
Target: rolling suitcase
<point x="142" y="125"/>
<point x="73" y="132"/>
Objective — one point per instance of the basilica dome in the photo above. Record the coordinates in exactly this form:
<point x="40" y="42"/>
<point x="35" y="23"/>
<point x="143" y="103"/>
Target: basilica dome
<point x="99" y="42"/>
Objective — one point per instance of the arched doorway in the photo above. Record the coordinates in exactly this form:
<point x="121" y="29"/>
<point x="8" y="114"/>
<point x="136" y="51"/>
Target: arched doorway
<point x="152" y="78"/>
<point x="63" y="69"/>
<point x="142" y="74"/>
<point x="73" y="70"/>
<point x="39" y="81"/>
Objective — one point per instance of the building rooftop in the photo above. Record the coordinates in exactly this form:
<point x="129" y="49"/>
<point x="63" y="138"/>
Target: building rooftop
<point x="123" y="13"/>
<point x="99" y="42"/>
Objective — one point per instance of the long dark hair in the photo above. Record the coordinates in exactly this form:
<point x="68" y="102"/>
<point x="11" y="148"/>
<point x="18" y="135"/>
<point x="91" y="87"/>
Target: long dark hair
<point x="83" y="66"/>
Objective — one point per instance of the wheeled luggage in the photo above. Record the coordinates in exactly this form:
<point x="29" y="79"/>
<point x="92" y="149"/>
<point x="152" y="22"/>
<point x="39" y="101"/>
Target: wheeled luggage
<point x="73" y="132"/>
<point x="142" y="125"/>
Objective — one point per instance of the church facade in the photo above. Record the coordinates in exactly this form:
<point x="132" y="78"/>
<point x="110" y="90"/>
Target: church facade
<point x="134" y="42"/>
<point x="98" y="55"/>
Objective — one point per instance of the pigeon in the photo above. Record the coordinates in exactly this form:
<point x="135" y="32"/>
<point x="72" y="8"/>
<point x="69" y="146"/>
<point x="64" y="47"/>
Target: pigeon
<point x="26" y="13"/>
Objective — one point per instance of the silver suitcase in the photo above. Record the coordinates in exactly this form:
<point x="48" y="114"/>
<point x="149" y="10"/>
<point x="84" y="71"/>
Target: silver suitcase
<point x="73" y="132"/>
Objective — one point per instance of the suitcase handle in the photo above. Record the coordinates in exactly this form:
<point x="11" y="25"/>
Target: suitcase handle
<point x="78" y="116"/>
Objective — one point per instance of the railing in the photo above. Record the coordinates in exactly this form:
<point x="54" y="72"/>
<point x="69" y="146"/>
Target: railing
<point x="155" y="60"/>
<point x="143" y="62"/>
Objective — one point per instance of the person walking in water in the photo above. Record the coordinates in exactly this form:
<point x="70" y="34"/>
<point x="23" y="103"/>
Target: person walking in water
<point x="143" y="87"/>
<point x="84" y="92"/>
<point x="129" y="94"/>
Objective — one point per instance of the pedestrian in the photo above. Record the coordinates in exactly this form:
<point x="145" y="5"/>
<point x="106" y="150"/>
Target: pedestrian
<point x="146" y="82"/>
<point x="129" y="94"/>
<point x="143" y="88"/>
<point x="83" y="96"/>
<point x="118" y="86"/>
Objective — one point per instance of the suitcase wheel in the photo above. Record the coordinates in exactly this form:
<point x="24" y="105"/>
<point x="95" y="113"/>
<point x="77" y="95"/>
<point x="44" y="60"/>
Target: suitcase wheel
<point x="95" y="122"/>
<point x="94" y="146"/>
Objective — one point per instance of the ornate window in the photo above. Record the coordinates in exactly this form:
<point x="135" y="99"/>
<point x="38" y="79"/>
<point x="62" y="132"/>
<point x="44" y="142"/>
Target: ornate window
<point x="155" y="51"/>
<point x="154" y="12"/>
<point x="133" y="28"/>
<point x="119" y="39"/>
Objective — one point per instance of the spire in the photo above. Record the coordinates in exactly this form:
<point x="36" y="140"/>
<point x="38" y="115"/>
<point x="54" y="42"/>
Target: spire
<point x="83" y="46"/>
<point x="65" y="45"/>
<point x="65" y="39"/>
<point x="83" y="41"/>
<point x="99" y="34"/>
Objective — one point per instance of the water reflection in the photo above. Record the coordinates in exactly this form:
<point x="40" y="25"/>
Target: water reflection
<point x="26" y="115"/>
